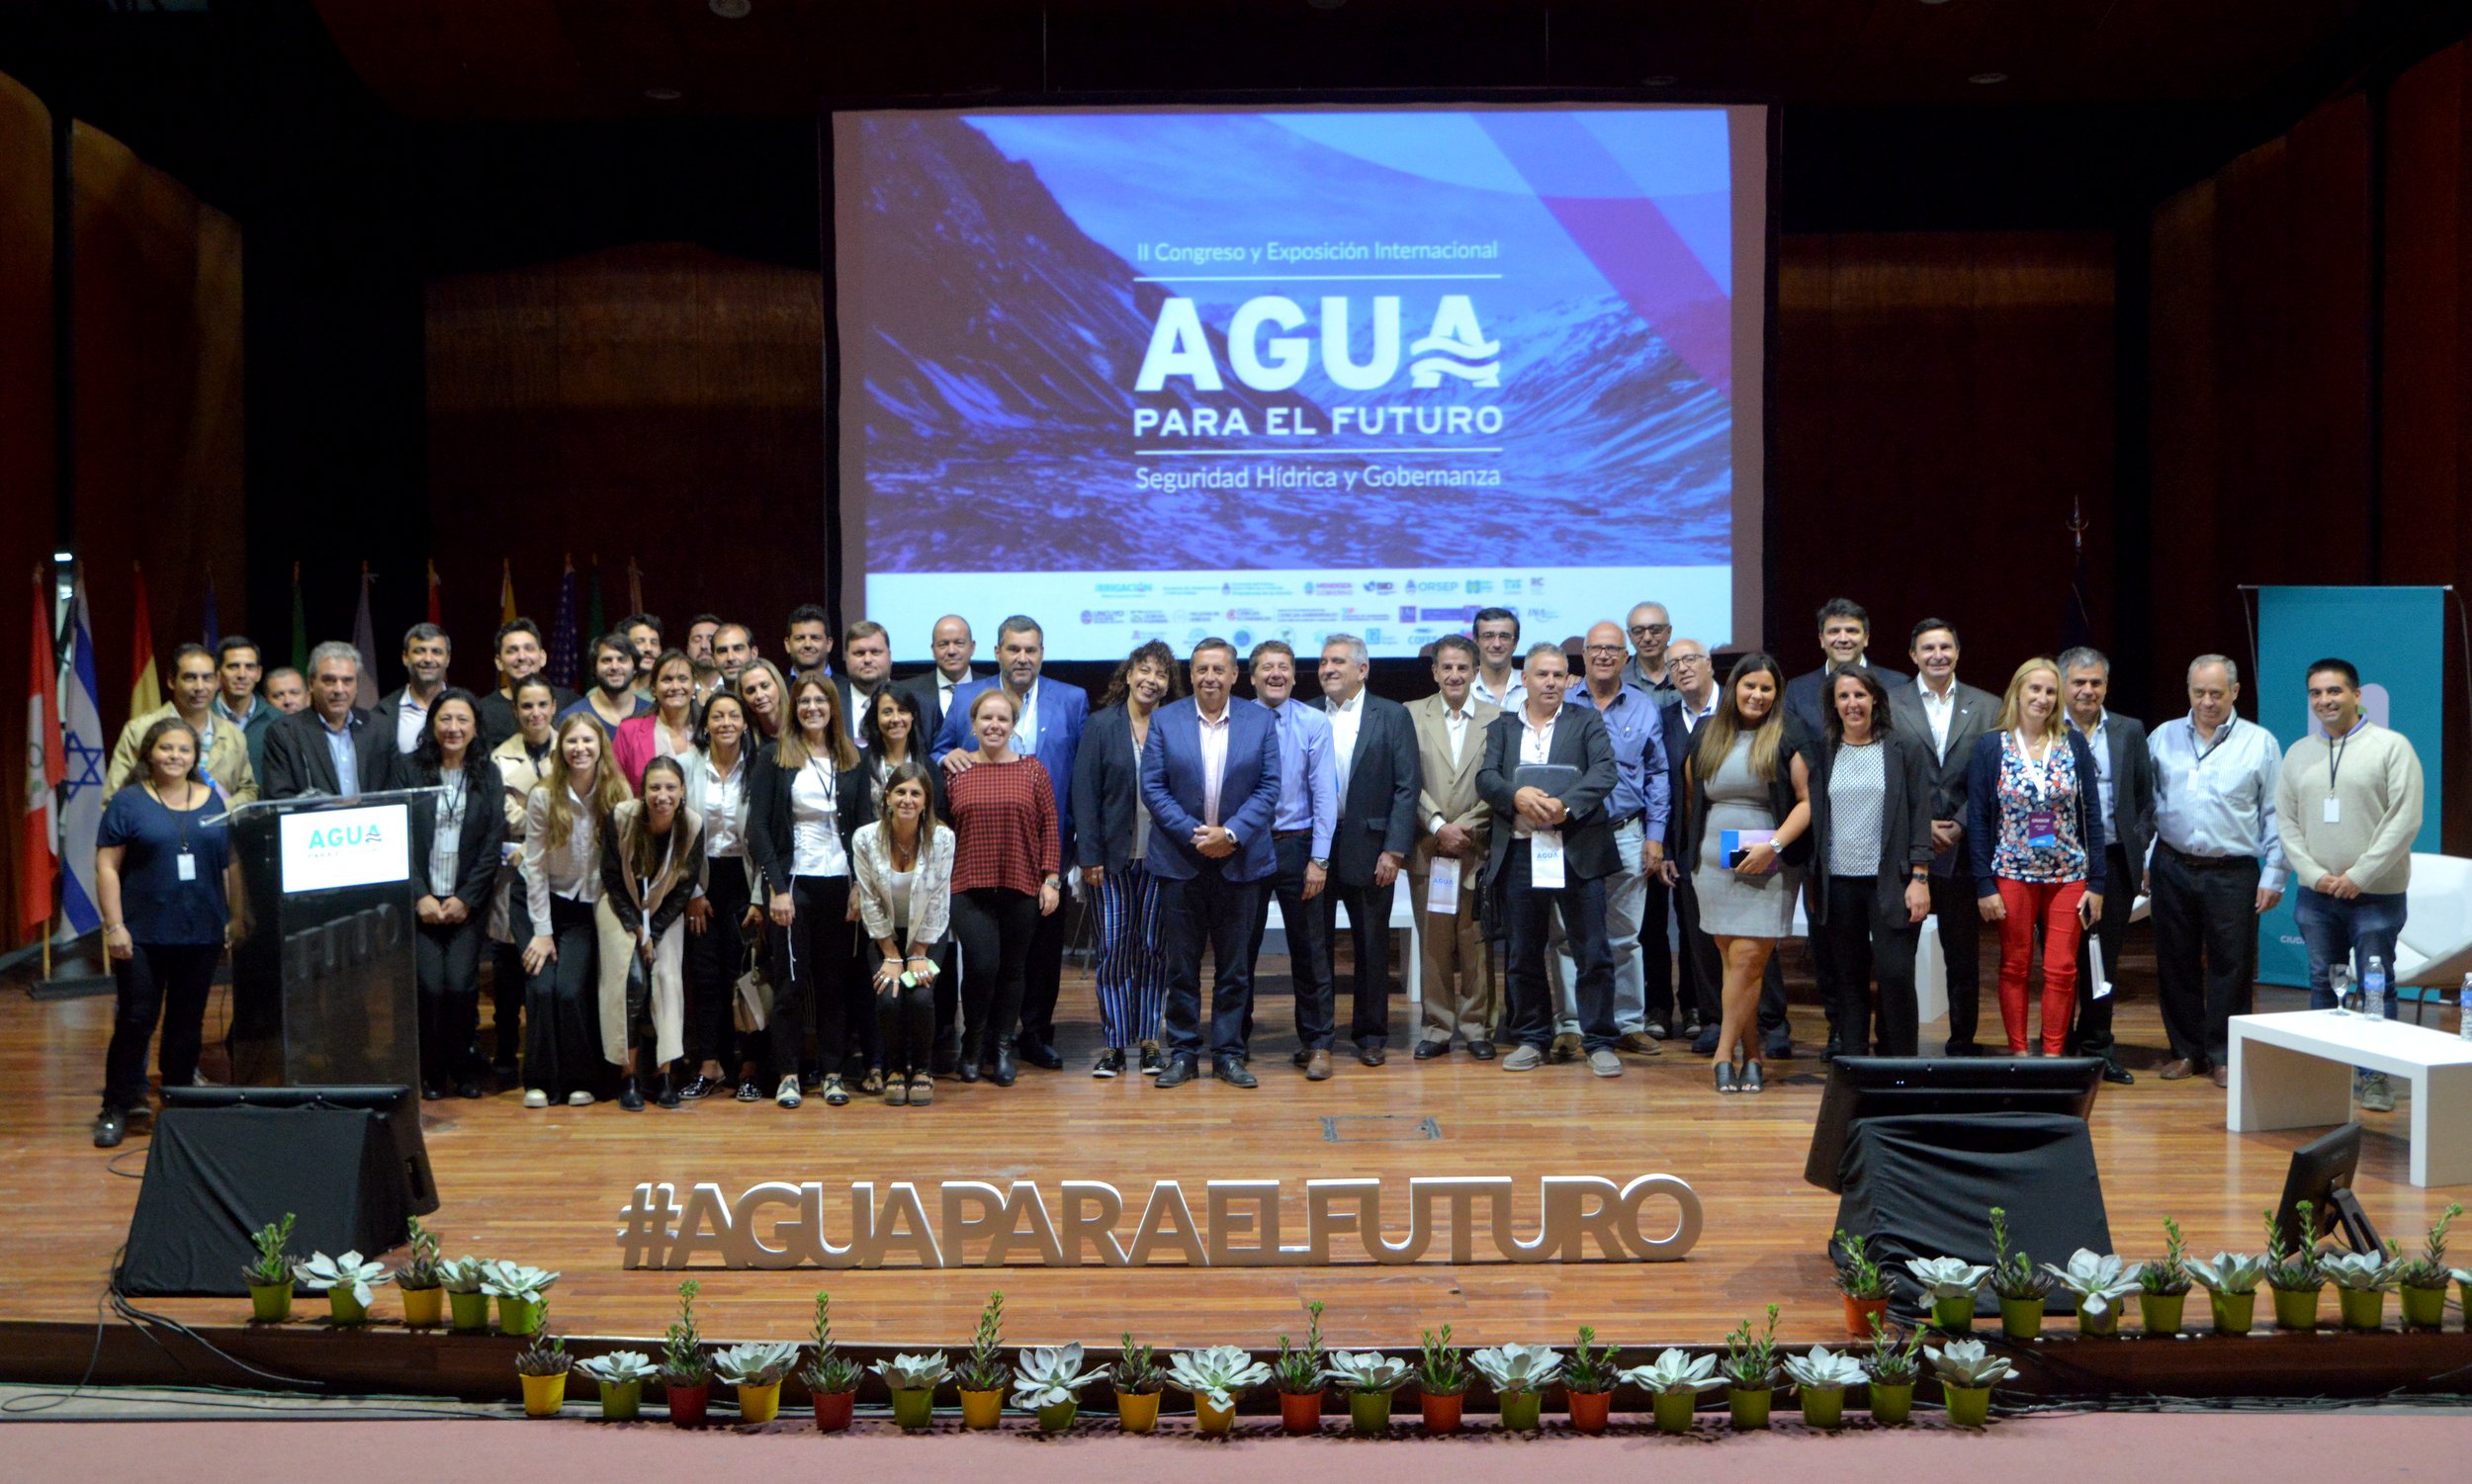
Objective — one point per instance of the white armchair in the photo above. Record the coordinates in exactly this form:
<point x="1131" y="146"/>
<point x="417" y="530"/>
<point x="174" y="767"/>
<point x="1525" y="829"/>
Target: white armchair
<point x="2435" y="949"/>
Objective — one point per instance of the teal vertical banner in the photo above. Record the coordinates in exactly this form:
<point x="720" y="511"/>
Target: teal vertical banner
<point x="2394" y="637"/>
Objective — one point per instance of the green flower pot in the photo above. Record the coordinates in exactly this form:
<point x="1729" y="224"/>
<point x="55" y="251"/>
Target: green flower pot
<point x="1953" y="1315"/>
<point x="1968" y="1405"/>
<point x="515" y="1317"/>
<point x="2425" y="1308"/>
<point x="2361" y="1308"/>
<point x="2233" y="1312"/>
<point x="1749" y="1409"/>
<point x="621" y="1401"/>
<point x="1674" y="1409"/>
<point x="2106" y="1323"/>
<point x="467" y="1313"/>
<point x="2296" y="1308"/>
<point x="346" y="1310"/>
<point x="1369" y="1412"/>
<point x="1891" y="1402"/>
<point x="1824" y="1407"/>
<point x="2159" y="1313"/>
<point x="1523" y="1412"/>
<point x="914" y="1407"/>
<point x="1057" y="1418"/>
<point x="2022" y="1317"/>
<point x="270" y="1303"/>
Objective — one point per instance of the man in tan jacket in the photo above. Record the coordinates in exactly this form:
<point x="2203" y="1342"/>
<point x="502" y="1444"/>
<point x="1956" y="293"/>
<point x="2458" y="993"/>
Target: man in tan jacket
<point x="1452" y="824"/>
<point x="222" y="746"/>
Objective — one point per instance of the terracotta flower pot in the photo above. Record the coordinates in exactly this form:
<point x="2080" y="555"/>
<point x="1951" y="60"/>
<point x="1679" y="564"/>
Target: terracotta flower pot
<point x="2361" y="1308"/>
<point x="345" y="1309"/>
<point x="2159" y="1313"/>
<point x="1968" y="1405"/>
<point x="422" y="1306"/>
<point x="833" y="1410"/>
<point x="1058" y="1418"/>
<point x="1137" y="1411"/>
<point x="467" y="1313"/>
<point x="1859" y="1313"/>
<point x="982" y="1410"/>
<point x="270" y="1303"/>
<point x="2425" y="1308"/>
<point x="1440" y="1413"/>
<point x="515" y="1317"/>
<point x="621" y="1401"/>
<point x="1674" y="1410"/>
<point x="2234" y="1313"/>
<point x="2022" y="1317"/>
<point x="1300" y="1411"/>
<point x="758" y="1405"/>
<point x="914" y="1407"/>
<point x="1213" y="1422"/>
<point x="1523" y="1412"/>
<point x="1590" y="1410"/>
<point x="1892" y="1403"/>
<point x="1956" y="1316"/>
<point x="688" y="1405"/>
<point x="1822" y="1406"/>
<point x="2296" y="1308"/>
<point x="1368" y="1413"/>
<point x="544" y="1395"/>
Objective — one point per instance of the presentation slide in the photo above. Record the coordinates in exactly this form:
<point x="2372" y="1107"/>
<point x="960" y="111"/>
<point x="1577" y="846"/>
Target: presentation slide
<point x="1167" y="373"/>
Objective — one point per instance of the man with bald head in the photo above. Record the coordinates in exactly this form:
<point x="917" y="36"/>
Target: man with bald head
<point x="1650" y="630"/>
<point x="955" y="647"/>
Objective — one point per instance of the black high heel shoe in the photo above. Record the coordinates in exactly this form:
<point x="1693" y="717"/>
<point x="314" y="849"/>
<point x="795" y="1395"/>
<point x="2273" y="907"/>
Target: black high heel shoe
<point x="967" y="1069"/>
<point x="1725" y="1080"/>
<point x="1751" y="1079"/>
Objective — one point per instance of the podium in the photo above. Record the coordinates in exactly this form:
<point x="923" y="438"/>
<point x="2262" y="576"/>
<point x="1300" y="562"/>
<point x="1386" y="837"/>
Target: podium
<point x="323" y="979"/>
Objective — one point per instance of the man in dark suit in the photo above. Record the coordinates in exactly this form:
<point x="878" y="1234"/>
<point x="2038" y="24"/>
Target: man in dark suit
<point x="1543" y="836"/>
<point x="1685" y="999"/>
<point x="953" y="646"/>
<point x="1211" y="779"/>
<point x="1844" y="639"/>
<point x="1049" y="728"/>
<point x="2128" y="797"/>
<point x="1374" y="748"/>
<point x="1949" y="716"/>
<point x="867" y="666"/>
<point x="330" y="747"/>
<point x="426" y="650"/>
<point x="520" y="656"/>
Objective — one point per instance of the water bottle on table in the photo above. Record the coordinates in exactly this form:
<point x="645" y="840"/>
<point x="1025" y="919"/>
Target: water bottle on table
<point x="2373" y="982"/>
<point x="2463" y="1010"/>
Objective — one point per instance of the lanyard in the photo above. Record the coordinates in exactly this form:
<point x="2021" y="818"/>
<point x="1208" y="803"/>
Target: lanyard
<point x="2335" y="752"/>
<point x="2038" y="774"/>
<point x="180" y="817"/>
<point x="2222" y="737"/>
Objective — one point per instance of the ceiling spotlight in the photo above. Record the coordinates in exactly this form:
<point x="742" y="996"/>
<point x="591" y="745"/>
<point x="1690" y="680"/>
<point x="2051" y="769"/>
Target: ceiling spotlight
<point x="1986" y="79"/>
<point x="1659" y="80"/>
<point x="663" y="95"/>
<point x="731" y="10"/>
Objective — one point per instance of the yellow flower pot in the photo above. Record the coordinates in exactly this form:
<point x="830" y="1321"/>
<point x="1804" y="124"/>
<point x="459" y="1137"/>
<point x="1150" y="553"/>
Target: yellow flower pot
<point x="982" y="1410"/>
<point x="1213" y="1422"/>
<point x="544" y="1395"/>
<point x="424" y="1306"/>
<point x="760" y="1404"/>
<point x="1137" y="1411"/>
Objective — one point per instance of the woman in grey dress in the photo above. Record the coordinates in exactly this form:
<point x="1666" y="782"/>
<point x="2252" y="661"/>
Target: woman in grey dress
<point x="1750" y="754"/>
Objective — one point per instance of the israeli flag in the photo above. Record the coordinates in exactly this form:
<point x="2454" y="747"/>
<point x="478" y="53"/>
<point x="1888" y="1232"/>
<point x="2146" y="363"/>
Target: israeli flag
<point x="81" y="813"/>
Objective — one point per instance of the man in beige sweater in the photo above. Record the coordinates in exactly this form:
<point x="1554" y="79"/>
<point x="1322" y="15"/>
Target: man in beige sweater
<point x="2348" y="806"/>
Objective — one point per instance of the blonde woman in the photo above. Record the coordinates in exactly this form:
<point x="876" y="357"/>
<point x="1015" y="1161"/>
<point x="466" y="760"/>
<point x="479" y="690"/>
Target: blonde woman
<point x="655" y="859"/>
<point x="767" y="699"/>
<point x="564" y="823"/>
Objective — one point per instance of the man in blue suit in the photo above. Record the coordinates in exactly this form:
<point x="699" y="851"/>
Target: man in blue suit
<point x="1049" y="729"/>
<point x="1211" y="779"/>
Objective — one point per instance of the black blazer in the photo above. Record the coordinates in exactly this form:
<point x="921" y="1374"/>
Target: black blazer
<point x="2132" y="787"/>
<point x="1978" y="711"/>
<point x="298" y="762"/>
<point x="620" y="893"/>
<point x="1797" y="740"/>
<point x="1905" y="820"/>
<point x="1580" y="740"/>
<point x="483" y="837"/>
<point x="1107" y="779"/>
<point x="924" y="690"/>
<point x="1377" y="813"/>
<point x="1678" y="745"/>
<point x="1983" y="809"/>
<point x="1807" y="702"/>
<point x="768" y="812"/>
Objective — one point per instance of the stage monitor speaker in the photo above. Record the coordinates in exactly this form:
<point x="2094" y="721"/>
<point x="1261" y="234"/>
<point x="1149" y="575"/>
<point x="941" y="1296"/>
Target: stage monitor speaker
<point x="396" y="1104"/>
<point x="216" y="1175"/>
<point x="1875" y="1086"/>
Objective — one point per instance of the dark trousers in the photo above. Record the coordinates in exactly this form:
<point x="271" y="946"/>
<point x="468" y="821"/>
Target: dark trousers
<point x="994" y="925"/>
<point x="1368" y="933"/>
<point x="823" y="987"/>
<point x="1668" y="1004"/>
<point x="1042" y="972"/>
<point x="447" y="965"/>
<point x="1528" y="908"/>
<point x="904" y="1020"/>
<point x="168" y="982"/>
<point x="1961" y="944"/>
<point x="1225" y="915"/>
<point x="715" y="958"/>
<point x="2091" y="1034"/>
<point x="2205" y="950"/>
<point x="1702" y="976"/>
<point x="506" y="983"/>
<point x="947" y="1007"/>
<point x="562" y="1008"/>
<point x="1863" y="939"/>
<point x="1308" y="928"/>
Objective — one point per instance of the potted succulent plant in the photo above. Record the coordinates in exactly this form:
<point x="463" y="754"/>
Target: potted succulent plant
<point x="1299" y="1375"/>
<point x="1950" y="1284"/>
<point x="983" y="1374"/>
<point x="685" y="1375"/>
<point x="1519" y="1375"/>
<point x="2293" y="1270"/>
<point x="1588" y="1383"/>
<point x="1441" y="1383"/>
<point x="1819" y="1380"/>
<point x="757" y="1369"/>
<point x="420" y="1280"/>
<point x="2423" y="1279"/>
<point x="348" y="1281"/>
<point x="1138" y="1381"/>
<point x="1217" y="1377"/>
<point x="621" y="1374"/>
<point x="1750" y="1372"/>
<point x="1367" y="1378"/>
<point x="1894" y="1368"/>
<point x="2100" y="1282"/>
<point x="521" y="1292"/>
<point x="2164" y="1284"/>
<point x="542" y="1366"/>
<point x="1859" y="1278"/>
<point x="2231" y="1279"/>
<point x="1967" y="1376"/>
<point x="2362" y="1280"/>
<point x="831" y="1377"/>
<point x="2022" y="1290"/>
<point x="1673" y="1382"/>
<point x="1049" y="1382"/>
<point x="913" y="1380"/>
<point x="269" y="1274"/>
<point x="467" y="1306"/>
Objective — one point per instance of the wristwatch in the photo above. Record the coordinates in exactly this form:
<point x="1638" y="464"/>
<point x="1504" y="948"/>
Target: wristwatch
<point x="1321" y="862"/>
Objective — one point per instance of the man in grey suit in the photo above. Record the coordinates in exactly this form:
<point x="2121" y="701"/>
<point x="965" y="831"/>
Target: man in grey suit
<point x="1949" y="715"/>
<point x="1373" y="754"/>
<point x="2128" y="797"/>
<point x="1455" y="824"/>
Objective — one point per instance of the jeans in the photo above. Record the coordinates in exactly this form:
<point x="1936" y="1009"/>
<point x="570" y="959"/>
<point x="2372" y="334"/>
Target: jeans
<point x="1132" y="968"/>
<point x="1309" y="974"/>
<point x="169" y="982"/>
<point x="2205" y="917"/>
<point x="1860" y="936"/>
<point x="447" y="967"/>
<point x="1529" y="910"/>
<point x="1209" y="910"/>
<point x="2054" y="905"/>
<point x="2341" y="931"/>
<point x="1626" y="907"/>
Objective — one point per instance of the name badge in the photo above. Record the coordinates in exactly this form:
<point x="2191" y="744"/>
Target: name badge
<point x="1442" y="890"/>
<point x="187" y="864"/>
<point x="1545" y="860"/>
<point x="2334" y="810"/>
<point x="2042" y="829"/>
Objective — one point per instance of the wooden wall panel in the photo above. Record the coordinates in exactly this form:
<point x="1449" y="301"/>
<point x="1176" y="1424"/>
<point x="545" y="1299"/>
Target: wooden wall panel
<point x="28" y="410"/>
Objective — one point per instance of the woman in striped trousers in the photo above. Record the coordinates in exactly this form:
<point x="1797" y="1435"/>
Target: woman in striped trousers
<point x="1113" y="847"/>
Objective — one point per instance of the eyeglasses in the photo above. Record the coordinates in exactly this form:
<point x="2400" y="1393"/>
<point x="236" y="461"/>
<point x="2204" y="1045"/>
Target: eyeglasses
<point x="1686" y="659"/>
<point x="1639" y="628"/>
<point x="1603" y="649"/>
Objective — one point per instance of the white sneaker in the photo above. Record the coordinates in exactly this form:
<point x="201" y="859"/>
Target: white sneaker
<point x="578" y="1100"/>
<point x="788" y="1095"/>
<point x="536" y="1098"/>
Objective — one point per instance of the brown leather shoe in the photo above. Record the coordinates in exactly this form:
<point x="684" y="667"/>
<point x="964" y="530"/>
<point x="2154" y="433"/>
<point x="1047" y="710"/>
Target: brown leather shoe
<point x="2221" y="1077"/>
<point x="2180" y="1069"/>
<point x="1639" y="1043"/>
<point x="1317" y="1067"/>
<point x="1566" y="1048"/>
<point x="1373" y="1056"/>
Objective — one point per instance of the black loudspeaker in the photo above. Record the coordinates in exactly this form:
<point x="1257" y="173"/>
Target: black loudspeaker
<point x="394" y="1104"/>
<point x="216" y="1175"/>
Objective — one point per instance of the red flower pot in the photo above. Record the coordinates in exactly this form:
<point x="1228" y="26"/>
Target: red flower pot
<point x="833" y="1410"/>
<point x="1300" y="1411"/>
<point x="686" y="1404"/>
<point x="1441" y="1414"/>
<point x="1590" y="1410"/>
<point x="1859" y="1312"/>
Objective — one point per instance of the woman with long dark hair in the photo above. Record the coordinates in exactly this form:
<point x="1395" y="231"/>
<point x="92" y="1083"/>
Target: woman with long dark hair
<point x="565" y="833"/>
<point x="1005" y="860"/>
<point x="653" y="860"/>
<point x="458" y="837"/>
<point x="1114" y="846"/>
<point x="524" y="761"/>
<point x="809" y="793"/>
<point x="902" y="867"/>
<point x="670" y="732"/>
<point x="721" y="920"/>
<point x="1871" y="862"/>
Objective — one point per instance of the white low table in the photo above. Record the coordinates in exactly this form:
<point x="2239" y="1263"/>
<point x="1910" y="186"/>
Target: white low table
<point x="2295" y="1071"/>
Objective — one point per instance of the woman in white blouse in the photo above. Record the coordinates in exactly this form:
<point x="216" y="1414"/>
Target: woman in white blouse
<point x="903" y="865"/>
<point x="564" y="822"/>
<point x="720" y="921"/>
<point x="808" y="794"/>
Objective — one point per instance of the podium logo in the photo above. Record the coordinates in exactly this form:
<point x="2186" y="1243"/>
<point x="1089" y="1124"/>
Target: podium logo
<point x="324" y="849"/>
<point x="1454" y="345"/>
<point x="346" y="835"/>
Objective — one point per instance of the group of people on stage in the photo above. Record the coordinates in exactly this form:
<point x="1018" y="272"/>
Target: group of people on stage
<point x="711" y="875"/>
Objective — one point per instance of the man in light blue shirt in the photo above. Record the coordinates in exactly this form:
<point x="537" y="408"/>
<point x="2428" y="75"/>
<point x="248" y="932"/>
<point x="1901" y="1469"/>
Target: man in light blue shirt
<point x="1300" y="835"/>
<point x="2216" y="866"/>
<point x="1638" y="808"/>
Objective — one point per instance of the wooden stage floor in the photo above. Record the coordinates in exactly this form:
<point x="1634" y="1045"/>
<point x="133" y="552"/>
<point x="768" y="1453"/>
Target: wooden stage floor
<point x="545" y="1187"/>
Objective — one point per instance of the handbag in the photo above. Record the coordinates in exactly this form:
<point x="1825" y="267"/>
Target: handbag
<point x="750" y="1009"/>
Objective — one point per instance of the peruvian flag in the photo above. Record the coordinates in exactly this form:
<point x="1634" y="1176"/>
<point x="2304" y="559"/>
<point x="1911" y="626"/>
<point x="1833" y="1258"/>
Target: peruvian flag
<point x="46" y="766"/>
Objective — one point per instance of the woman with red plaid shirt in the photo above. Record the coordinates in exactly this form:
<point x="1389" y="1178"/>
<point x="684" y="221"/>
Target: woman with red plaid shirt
<point x="1005" y="860"/>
